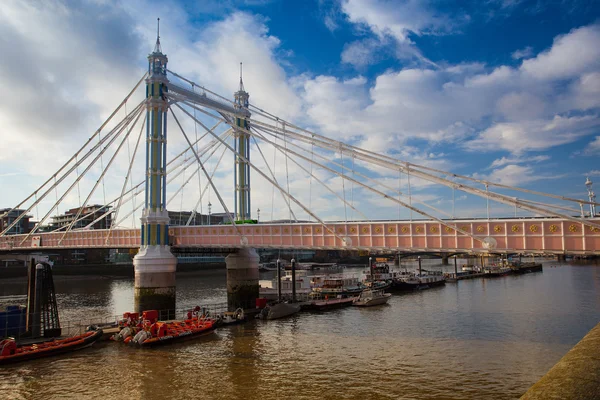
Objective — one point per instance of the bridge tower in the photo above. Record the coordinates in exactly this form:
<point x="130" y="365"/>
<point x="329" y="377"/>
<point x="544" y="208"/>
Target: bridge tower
<point x="241" y="175"/>
<point x="242" y="267"/>
<point x="154" y="264"/>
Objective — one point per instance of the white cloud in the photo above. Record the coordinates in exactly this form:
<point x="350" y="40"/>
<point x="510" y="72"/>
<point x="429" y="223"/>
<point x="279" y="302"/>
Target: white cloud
<point x="522" y="53"/>
<point x="594" y="172"/>
<point x="536" y="135"/>
<point x="571" y="55"/>
<point x="518" y="160"/>
<point x="397" y="20"/>
<point x="593" y="148"/>
<point x="502" y="109"/>
<point x="513" y="175"/>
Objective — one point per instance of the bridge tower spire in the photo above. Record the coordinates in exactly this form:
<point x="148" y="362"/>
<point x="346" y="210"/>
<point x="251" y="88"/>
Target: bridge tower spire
<point x="154" y="264"/>
<point x="591" y="196"/>
<point x="241" y="174"/>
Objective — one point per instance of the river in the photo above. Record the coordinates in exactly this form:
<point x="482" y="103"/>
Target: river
<point x="478" y="339"/>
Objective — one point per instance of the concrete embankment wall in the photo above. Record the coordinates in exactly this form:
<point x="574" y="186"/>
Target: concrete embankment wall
<point x="122" y="270"/>
<point x="575" y="376"/>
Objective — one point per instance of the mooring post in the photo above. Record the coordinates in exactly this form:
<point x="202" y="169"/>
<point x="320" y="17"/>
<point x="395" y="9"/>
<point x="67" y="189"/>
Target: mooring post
<point x="30" y="295"/>
<point x="455" y="269"/>
<point x="419" y="258"/>
<point x="293" y="280"/>
<point x="36" y="330"/>
<point x="278" y="280"/>
<point x="371" y="269"/>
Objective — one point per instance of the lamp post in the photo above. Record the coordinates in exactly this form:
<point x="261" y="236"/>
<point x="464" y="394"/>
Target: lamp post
<point x="258" y="215"/>
<point x="209" y="207"/>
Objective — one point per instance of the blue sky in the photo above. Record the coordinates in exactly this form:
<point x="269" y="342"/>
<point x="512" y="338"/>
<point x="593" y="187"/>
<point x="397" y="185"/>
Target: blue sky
<point x="505" y="90"/>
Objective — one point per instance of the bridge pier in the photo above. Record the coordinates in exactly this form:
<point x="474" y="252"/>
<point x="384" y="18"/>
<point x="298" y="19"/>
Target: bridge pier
<point x="445" y="259"/>
<point x="242" y="279"/>
<point x="155" y="268"/>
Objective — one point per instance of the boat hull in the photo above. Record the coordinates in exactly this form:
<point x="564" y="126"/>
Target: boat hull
<point x="179" y="337"/>
<point x="53" y="348"/>
<point x="330" y="304"/>
<point x="401" y="286"/>
<point x="280" y="310"/>
<point x="373" y="302"/>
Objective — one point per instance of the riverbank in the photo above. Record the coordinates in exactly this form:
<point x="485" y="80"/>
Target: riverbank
<point x="575" y="376"/>
<point x="115" y="270"/>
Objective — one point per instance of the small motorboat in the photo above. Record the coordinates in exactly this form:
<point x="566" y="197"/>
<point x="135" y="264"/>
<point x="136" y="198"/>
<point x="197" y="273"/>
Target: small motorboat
<point x="11" y="352"/>
<point x="232" y="318"/>
<point x="153" y="332"/>
<point x="371" y="298"/>
<point x="278" y="310"/>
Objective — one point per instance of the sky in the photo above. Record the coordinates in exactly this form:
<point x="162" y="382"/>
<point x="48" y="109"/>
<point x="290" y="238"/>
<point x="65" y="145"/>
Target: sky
<point x="502" y="90"/>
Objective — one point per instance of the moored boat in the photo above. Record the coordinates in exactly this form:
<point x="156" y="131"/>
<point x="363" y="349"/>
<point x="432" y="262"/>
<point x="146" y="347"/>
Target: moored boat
<point x="495" y="271"/>
<point x="160" y="333"/>
<point x="411" y="281"/>
<point x="371" y="298"/>
<point x="148" y="331"/>
<point x="328" y="303"/>
<point x="278" y="310"/>
<point x="231" y="318"/>
<point x="11" y="352"/>
<point x="339" y="286"/>
<point x="526" y="268"/>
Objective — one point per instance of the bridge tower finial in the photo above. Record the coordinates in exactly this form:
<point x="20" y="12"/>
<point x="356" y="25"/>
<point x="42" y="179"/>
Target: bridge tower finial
<point x="157" y="48"/>
<point x="591" y="196"/>
<point x="241" y="80"/>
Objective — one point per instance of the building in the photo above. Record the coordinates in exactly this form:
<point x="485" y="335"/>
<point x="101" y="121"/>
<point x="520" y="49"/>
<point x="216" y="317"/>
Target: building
<point x="23" y="226"/>
<point x="180" y="218"/>
<point x="88" y="215"/>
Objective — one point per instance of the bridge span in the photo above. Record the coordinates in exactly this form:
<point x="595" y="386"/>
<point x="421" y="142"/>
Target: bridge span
<point x="540" y="235"/>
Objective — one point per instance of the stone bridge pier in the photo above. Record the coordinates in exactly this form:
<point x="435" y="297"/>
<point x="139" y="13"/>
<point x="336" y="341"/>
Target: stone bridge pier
<point x="242" y="279"/>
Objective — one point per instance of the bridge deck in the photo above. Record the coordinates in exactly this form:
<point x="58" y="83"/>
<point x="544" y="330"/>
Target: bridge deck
<point x="529" y="235"/>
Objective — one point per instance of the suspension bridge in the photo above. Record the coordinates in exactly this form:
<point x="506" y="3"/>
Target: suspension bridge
<point x="342" y="175"/>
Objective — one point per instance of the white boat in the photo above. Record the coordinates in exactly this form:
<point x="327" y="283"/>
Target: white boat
<point x="279" y="310"/>
<point x="371" y="298"/>
<point x="304" y="286"/>
<point x="231" y="318"/>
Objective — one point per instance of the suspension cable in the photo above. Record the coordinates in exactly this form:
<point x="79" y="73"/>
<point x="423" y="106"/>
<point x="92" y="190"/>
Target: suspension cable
<point x="278" y="147"/>
<point x="104" y="171"/>
<point x="78" y="151"/>
<point x="275" y="179"/>
<point x="202" y="165"/>
<point x="344" y="188"/>
<point x="325" y="226"/>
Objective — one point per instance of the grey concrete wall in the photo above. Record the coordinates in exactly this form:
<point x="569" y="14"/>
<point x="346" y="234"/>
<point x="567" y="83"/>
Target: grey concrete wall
<point x="575" y="376"/>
